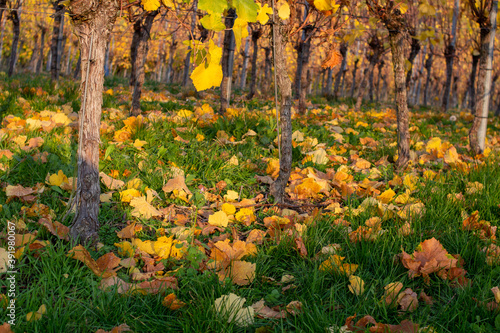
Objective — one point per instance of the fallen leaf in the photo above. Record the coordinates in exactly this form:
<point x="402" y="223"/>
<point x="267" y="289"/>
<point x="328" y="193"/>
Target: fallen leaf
<point x="429" y="257"/>
<point x="80" y="253"/>
<point x="118" y="329"/>
<point x="111" y="183"/>
<point x="172" y="302"/>
<point x="357" y="285"/>
<point x="231" y="307"/>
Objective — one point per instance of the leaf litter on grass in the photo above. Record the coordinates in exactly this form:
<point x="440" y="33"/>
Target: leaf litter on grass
<point x="171" y="231"/>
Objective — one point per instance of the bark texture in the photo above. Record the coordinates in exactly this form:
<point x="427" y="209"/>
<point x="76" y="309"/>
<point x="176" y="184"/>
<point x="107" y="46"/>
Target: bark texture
<point x="449" y="54"/>
<point x="340" y="74"/>
<point x="138" y="53"/>
<point x="55" y="46"/>
<point x="93" y="22"/>
<point x="428" y="69"/>
<point x="15" y="17"/>
<point x="472" y="81"/>
<point x="277" y="189"/>
<point x="396" y="40"/>
<point x="227" y="61"/>
<point x="477" y="133"/>
<point x="256" y="33"/>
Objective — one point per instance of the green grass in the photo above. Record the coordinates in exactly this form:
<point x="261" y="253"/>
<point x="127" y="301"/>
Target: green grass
<point x="70" y="290"/>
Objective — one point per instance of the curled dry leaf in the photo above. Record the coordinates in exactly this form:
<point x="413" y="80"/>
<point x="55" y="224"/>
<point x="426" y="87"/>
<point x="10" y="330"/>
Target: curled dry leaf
<point x="172" y="302"/>
<point x="266" y="312"/>
<point x="55" y="228"/>
<point x="333" y="59"/>
<point x="429" y="257"/>
<point x="360" y="326"/>
<point x="80" y="253"/>
<point x="118" y="329"/>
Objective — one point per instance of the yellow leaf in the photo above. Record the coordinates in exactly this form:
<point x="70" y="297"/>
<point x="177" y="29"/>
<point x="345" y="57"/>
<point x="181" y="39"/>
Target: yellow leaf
<point x="36" y="315"/>
<point x="326" y="5"/>
<point x="57" y="179"/>
<point x="167" y="247"/>
<point x="127" y="195"/>
<point x="357" y="286"/>
<point x="209" y="74"/>
<point x="213" y="22"/>
<point x="146" y="246"/>
<point x="245" y="216"/>
<point x="410" y="182"/>
<point x="134" y="183"/>
<point x="284" y="10"/>
<point x="218" y="219"/>
<point x="143" y="209"/>
<point x="231" y="196"/>
<point x="386" y="196"/>
<point x="150" y="5"/>
<point x="228" y="208"/>
<point x="240" y="30"/>
<point x="168" y="3"/>
<point x="264" y="13"/>
<point x="139" y="143"/>
<point x="125" y="249"/>
<point x="200" y="137"/>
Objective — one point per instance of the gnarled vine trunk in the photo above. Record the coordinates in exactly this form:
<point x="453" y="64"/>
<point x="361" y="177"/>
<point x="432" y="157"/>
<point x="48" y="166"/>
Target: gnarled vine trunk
<point x="256" y="33"/>
<point x="477" y="133"/>
<point x="93" y="22"/>
<point x="277" y="189"/>
<point x="55" y="47"/>
<point x="15" y="17"/>
<point x="227" y="61"/>
<point x="138" y="53"/>
<point x="449" y="54"/>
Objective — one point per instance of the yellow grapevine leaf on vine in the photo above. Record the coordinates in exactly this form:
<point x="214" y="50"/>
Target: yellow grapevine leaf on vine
<point x="240" y="29"/>
<point x="326" y="5"/>
<point x="168" y="3"/>
<point x="284" y="10"/>
<point x="150" y="5"/>
<point x="213" y="6"/>
<point x="246" y="10"/>
<point x="213" y="22"/>
<point x="264" y="12"/>
<point x="205" y="77"/>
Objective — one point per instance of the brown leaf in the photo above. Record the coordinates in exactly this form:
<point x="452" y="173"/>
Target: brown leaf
<point x="333" y="59"/>
<point x="117" y="329"/>
<point x="122" y="286"/>
<point x="430" y="257"/>
<point x="294" y="307"/>
<point x="264" y="311"/>
<point x="5" y="328"/>
<point x="409" y="301"/>
<point x="80" y="253"/>
<point x="55" y="228"/>
<point x="159" y="284"/>
<point x="424" y="297"/>
<point x="129" y="231"/>
<point x="107" y="262"/>
<point x="301" y="247"/>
